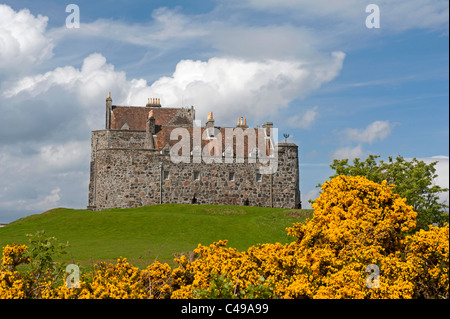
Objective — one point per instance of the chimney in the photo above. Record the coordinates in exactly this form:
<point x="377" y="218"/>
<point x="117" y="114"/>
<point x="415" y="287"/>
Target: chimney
<point x="192" y="113"/>
<point x="210" y="124"/>
<point x="242" y="122"/>
<point x="151" y="127"/>
<point x="108" y="111"/>
<point x="149" y="131"/>
<point x="153" y="102"/>
<point x="267" y="126"/>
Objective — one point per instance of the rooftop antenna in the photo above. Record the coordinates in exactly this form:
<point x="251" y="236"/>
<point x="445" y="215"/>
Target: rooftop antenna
<point x="286" y="136"/>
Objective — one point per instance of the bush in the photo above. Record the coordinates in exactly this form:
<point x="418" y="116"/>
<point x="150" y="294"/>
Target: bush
<point x="413" y="180"/>
<point x="358" y="244"/>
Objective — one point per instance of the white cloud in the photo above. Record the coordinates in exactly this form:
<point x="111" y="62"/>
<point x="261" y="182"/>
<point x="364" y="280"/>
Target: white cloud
<point x="23" y="42"/>
<point x="216" y="33"/>
<point x="442" y="172"/>
<point x="91" y="80"/>
<point x="50" y="175"/>
<point x="305" y="120"/>
<point x="377" y="130"/>
<point x="395" y="15"/>
<point x="38" y="174"/>
<point x="63" y="156"/>
<point x="84" y="89"/>
<point x="167" y="28"/>
<point x="226" y="86"/>
<point x="50" y="201"/>
<point x="311" y="195"/>
<point x="349" y="152"/>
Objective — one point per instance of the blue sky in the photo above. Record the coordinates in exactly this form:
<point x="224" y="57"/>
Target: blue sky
<point x="340" y="89"/>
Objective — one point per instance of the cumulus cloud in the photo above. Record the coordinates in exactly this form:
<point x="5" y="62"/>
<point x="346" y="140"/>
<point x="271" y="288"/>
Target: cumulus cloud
<point x="47" y="162"/>
<point x="228" y="86"/>
<point x="80" y="91"/>
<point x="223" y="85"/>
<point x="94" y="75"/>
<point x="23" y="42"/>
<point x="376" y="131"/>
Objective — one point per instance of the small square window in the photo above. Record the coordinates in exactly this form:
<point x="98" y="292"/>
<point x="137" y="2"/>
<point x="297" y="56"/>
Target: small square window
<point x="166" y="175"/>
<point x="258" y="177"/>
<point x="196" y="176"/>
<point x="231" y="177"/>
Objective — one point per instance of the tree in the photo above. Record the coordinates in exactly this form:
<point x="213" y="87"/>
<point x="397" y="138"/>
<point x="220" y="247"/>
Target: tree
<point x="413" y="180"/>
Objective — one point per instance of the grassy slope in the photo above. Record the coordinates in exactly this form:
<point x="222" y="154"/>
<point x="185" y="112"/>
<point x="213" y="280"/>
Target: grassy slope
<point x="145" y="233"/>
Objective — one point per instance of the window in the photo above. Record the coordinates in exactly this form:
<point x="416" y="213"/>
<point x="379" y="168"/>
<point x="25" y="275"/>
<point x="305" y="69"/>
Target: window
<point x="258" y="177"/>
<point x="196" y="176"/>
<point x="166" y="175"/>
<point x="231" y="176"/>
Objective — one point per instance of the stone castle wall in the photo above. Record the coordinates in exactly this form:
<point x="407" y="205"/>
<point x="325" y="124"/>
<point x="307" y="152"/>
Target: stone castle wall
<point x="124" y="174"/>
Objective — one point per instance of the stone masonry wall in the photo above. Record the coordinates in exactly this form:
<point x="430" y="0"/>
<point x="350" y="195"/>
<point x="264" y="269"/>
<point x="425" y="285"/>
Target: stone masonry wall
<point x="130" y="177"/>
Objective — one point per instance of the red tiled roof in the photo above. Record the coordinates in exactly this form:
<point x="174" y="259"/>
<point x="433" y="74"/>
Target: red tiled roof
<point x="163" y="137"/>
<point x="136" y="117"/>
<point x="167" y="119"/>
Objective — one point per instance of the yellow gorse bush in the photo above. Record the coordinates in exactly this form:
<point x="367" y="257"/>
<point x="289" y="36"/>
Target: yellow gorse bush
<point x="356" y="223"/>
<point x="14" y="255"/>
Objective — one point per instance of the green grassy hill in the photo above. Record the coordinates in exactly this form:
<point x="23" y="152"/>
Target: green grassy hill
<point x="155" y="232"/>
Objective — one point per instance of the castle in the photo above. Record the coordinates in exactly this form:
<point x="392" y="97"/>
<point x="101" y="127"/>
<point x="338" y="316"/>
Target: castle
<point x="133" y="162"/>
